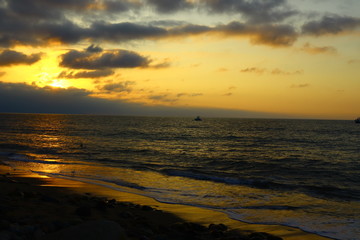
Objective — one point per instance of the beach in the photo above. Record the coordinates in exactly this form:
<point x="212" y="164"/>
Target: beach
<point x="35" y="207"/>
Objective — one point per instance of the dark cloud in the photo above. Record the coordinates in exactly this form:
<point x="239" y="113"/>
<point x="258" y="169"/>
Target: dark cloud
<point x="23" y="98"/>
<point x="86" y="74"/>
<point x="318" y="50"/>
<point x="32" y="9"/>
<point x="167" y="23"/>
<point x="40" y="22"/>
<point x="94" y="49"/>
<point x="10" y="57"/>
<point x="305" y="85"/>
<point x="55" y="9"/>
<point x="163" y="98"/>
<point x="25" y="22"/>
<point x="188" y="95"/>
<point x="278" y="71"/>
<point x="189" y="29"/>
<point x="20" y="97"/>
<point x="256" y="11"/>
<point x="253" y="70"/>
<point x="125" y="31"/>
<point x="118" y="87"/>
<point x="164" y="64"/>
<point x="330" y="25"/>
<point x="118" y="6"/>
<point x="274" y="35"/>
<point x="166" y="6"/>
<point x="172" y="98"/>
<point x="107" y="59"/>
<point x="63" y="32"/>
<point x="275" y="71"/>
<point x="15" y="30"/>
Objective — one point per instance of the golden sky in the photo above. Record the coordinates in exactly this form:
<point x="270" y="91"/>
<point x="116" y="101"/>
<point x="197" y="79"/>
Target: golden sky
<point x="244" y="58"/>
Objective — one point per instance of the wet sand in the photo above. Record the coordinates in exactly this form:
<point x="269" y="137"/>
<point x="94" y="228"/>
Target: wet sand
<point x="35" y="207"/>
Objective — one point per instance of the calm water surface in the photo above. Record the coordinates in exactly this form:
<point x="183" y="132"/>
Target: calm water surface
<point x="301" y="173"/>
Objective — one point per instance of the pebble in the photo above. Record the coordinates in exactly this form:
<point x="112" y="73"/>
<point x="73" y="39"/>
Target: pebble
<point x="49" y="199"/>
<point x="91" y="230"/>
<point x="218" y="227"/>
<point x="146" y="208"/>
<point x="263" y="236"/>
<point x="83" y="211"/>
<point x="127" y="214"/>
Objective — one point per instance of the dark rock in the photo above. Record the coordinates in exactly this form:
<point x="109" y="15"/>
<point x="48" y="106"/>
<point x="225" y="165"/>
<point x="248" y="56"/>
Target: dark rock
<point x="188" y="227"/>
<point x="38" y="233"/>
<point x="83" y="211"/>
<point x="217" y="233"/>
<point x="48" y="227"/>
<point x="91" y="230"/>
<point x="4" y="224"/>
<point x="5" y="235"/>
<point x="195" y="227"/>
<point x="17" y="193"/>
<point x="144" y="238"/>
<point x="58" y="224"/>
<point x="161" y="237"/>
<point x="49" y="199"/>
<point x="138" y="206"/>
<point x="147" y="208"/>
<point x="145" y="230"/>
<point x="218" y="227"/>
<point x="101" y="205"/>
<point x="30" y="194"/>
<point x="14" y="227"/>
<point x="126" y="214"/>
<point x="263" y="236"/>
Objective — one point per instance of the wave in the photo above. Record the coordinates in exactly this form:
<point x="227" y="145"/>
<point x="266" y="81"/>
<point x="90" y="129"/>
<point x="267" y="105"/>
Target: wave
<point x="14" y="146"/>
<point x="203" y="176"/>
<point x="28" y="159"/>
<point x="332" y="192"/>
<point x="73" y="175"/>
<point x="272" y="207"/>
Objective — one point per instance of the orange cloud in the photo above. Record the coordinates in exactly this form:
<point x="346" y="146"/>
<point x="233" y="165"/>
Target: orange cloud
<point x="318" y="50"/>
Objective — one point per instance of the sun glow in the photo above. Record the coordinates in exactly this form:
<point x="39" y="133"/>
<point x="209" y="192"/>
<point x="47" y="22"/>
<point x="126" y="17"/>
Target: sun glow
<point x="49" y="79"/>
<point x="59" y="83"/>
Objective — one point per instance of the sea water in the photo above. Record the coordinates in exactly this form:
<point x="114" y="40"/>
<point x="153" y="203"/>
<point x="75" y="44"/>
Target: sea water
<point x="300" y="173"/>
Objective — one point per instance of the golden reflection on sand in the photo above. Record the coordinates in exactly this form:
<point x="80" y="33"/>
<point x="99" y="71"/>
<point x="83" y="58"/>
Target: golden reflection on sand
<point x="189" y="213"/>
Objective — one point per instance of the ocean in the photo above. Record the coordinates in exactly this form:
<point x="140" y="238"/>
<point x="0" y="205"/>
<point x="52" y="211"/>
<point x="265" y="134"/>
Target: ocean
<point x="299" y="173"/>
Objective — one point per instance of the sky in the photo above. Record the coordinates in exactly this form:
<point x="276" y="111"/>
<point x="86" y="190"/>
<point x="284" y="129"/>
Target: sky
<point x="215" y="58"/>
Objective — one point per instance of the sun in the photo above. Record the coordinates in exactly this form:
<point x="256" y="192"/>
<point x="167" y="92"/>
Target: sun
<point x="49" y="79"/>
<point x="59" y="83"/>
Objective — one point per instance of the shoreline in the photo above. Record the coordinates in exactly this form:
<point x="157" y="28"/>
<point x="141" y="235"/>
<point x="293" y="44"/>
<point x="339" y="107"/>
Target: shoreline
<point x="195" y="221"/>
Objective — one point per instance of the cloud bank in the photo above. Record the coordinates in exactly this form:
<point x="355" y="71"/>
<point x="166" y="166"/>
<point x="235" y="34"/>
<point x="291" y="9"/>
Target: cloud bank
<point x="24" y="22"/>
<point x="23" y="98"/>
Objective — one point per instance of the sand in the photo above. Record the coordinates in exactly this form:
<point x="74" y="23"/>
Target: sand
<point x="37" y="207"/>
